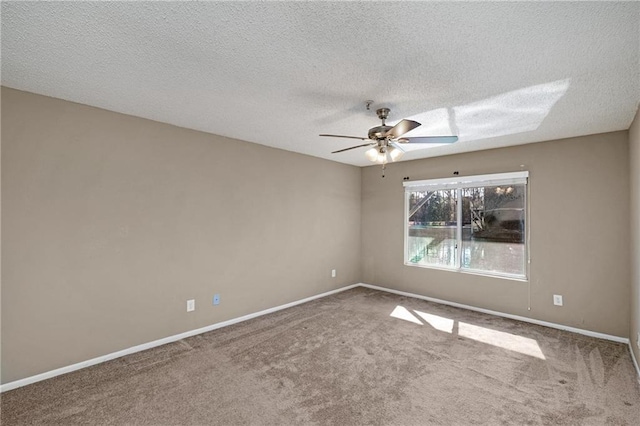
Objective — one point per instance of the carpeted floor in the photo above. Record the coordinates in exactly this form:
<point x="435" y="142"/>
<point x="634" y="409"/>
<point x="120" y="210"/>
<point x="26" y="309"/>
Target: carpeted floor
<point x="358" y="357"/>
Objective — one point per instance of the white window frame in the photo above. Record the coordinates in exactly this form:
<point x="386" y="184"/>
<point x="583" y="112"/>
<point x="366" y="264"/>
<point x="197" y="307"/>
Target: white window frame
<point x="459" y="183"/>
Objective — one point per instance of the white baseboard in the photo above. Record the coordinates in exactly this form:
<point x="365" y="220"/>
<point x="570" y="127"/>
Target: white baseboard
<point x="63" y="370"/>
<point x="502" y="314"/>
<point x="635" y="361"/>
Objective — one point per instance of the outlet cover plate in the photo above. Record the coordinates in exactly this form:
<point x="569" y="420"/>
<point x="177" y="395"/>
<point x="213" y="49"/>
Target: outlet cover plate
<point x="216" y="299"/>
<point x="557" y="299"/>
<point x="333" y="273"/>
<point x="191" y="305"/>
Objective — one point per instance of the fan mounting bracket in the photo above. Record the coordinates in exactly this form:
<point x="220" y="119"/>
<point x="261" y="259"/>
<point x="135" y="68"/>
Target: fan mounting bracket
<point x="383" y="114"/>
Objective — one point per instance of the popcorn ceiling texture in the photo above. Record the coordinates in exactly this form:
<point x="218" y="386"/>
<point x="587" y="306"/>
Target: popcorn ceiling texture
<point x="278" y="74"/>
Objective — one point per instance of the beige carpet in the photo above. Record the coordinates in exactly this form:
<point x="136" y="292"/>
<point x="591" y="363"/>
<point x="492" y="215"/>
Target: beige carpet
<point x="358" y="357"/>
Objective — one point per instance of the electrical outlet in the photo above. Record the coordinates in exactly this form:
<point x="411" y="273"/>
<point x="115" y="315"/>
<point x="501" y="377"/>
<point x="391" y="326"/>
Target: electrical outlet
<point x="333" y="273"/>
<point x="216" y="299"/>
<point x="638" y="340"/>
<point x="191" y="305"/>
<point x="557" y="299"/>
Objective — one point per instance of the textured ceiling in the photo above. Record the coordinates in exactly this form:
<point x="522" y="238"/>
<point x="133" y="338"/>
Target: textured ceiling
<point x="278" y="74"/>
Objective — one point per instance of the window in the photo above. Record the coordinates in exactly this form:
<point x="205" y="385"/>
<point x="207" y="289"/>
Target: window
<point x="471" y="223"/>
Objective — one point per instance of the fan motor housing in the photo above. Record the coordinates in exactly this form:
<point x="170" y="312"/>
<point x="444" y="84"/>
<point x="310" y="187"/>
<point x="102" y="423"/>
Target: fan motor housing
<point x="378" y="132"/>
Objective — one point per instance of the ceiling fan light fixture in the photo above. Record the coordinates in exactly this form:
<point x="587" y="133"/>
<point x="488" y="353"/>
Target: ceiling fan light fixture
<point x="372" y="155"/>
<point x="395" y="154"/>
<point x="383" y="155"/>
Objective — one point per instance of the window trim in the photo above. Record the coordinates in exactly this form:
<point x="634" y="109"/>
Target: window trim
<point x="468" y="181"/>
<point x="458" y="183"/>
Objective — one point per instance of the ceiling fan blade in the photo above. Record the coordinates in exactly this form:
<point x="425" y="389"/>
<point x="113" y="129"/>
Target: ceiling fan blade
<point x="343" y="136"/>
<point x="401" y="128"/>
<point x="430" y="139"/>
<point x="354" y="147"/>
<point x="396" y="145"/>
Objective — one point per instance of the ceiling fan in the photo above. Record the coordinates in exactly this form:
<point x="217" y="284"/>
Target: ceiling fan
<point x="386" y="141"/>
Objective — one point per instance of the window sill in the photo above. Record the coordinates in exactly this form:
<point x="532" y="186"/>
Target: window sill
<point x="510" y="277"/>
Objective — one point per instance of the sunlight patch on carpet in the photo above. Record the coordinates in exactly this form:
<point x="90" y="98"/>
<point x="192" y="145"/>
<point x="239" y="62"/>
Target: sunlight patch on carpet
<point x="403" y="313"/>
<point x="523" y="345"/>
<point x="437" y="322"/>
<point x="500" y="339"/>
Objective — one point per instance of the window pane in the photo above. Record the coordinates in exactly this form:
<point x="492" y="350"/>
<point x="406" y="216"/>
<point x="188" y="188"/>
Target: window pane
<point x="432" y="228"/>
<point x="493" y="229"/>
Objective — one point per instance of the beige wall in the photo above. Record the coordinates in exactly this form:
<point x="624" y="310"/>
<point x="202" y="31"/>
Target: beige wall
<point x="579" y="201"/>
<point x="0" y="244"/>
<point x="634" y="154"/>
<point x="111" y="222"/>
